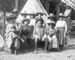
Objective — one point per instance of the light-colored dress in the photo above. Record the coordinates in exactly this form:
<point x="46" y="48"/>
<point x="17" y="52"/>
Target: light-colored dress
<point x="9" y="35"/>
<point x="1" y="41"/>
<point x="38" y="32"/>
<point x="32" y="22"/>
<point x="53" y="38"/>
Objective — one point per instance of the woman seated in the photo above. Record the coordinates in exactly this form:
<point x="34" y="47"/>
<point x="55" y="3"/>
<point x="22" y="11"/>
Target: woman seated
<point x="50" y="36"/>
<point x="25" y="33"/>
<point x="10" y="28"/>
<point x="38" y="32"/>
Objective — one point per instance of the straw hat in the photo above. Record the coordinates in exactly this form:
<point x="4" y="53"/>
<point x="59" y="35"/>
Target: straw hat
<point x="28" y="16"/>
<point x="42" y="21"/>
<point x="51" y="15"/>
<point x="14" y="11"/>
<point x="61" y="15"/>
<point x="26" y="19"/>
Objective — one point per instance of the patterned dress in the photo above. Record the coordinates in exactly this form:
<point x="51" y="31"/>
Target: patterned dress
<point x="9" y="34"/>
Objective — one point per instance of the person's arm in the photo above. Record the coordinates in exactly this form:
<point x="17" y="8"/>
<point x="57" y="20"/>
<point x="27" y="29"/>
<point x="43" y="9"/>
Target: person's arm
<point x="20" y="30"/>
<point x="34" y="31"/>
<point x="6" y="29"/>
<point x="45" y="30"/>
<point x="65" y="26"/>
<point x="56" y="26"/>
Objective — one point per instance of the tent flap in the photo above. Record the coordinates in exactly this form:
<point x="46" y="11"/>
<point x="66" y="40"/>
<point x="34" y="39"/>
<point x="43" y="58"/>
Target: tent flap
<point x="32" y="7"/>
<point x="71" y="3"/>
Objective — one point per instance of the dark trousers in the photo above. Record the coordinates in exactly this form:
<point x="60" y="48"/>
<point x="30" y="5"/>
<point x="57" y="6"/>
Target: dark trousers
<point x="60" y="36"/>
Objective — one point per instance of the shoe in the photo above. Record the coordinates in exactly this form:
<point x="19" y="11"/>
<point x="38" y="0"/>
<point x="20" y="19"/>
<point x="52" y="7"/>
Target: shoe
<point x="45" y="51"/>
<point x="12" y="52"/>
<point x="36" y="52"/>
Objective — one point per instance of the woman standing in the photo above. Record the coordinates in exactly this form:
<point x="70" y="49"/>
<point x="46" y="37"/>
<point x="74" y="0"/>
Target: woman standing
<point x="61" y="28"/>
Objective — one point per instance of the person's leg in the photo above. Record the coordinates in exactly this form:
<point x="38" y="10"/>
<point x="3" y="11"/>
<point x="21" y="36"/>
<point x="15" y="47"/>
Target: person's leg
<point x="46" y="44"/>
<point x="58" y="38"/>
<point x="62" y="39"/>
<point x="36" y="45"/>
<point x="45" y="39"/>
<point x="54" y="41"/>
<point x="50" y="42"/>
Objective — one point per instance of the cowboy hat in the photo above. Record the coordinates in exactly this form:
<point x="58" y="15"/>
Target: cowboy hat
<point x="26" y="19"/>
<point x="28" y="16"/>
<point x="42" y="21"/>
<point x="14" y="11"/>
<point x="51" y="15"/>
<point x="50" y="22"/>
<point x="61" y="15"/>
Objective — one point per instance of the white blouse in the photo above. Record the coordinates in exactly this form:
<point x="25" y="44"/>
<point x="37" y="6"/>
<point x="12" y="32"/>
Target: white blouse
<point x="61" y="24"/>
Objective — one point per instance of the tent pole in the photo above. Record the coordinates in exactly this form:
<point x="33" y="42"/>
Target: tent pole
<point x="16" y="4"/>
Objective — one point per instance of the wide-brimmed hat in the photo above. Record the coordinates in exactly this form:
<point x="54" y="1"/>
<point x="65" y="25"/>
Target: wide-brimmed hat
<point x="14" y="11"/>
<point x="50" y="22"/>
<point x="42" y="21"/>
<point x="26" y="19"/>
<point x="61" y="15"/>
<point x="51" y="15"/>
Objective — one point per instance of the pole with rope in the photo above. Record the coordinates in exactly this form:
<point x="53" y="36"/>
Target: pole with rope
<point x="16" y="4"/>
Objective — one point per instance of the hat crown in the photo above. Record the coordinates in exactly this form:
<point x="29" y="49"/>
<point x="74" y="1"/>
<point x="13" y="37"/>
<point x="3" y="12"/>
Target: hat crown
<point x="26" y="19"/>
<point x="14" y="10"/>
<point x="61" y="14"/>
<point x="49" y="21"/>
<point x="28" y="16"/>
<point x="51" y="15"/>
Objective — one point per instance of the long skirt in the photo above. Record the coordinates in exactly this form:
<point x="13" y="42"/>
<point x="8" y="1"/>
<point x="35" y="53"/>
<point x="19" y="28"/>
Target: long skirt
<point x="60" y="35"/>
<point x="9" y="38"/>
<point x="1" y="41"/>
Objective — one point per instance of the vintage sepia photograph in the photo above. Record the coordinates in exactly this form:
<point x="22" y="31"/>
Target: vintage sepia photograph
<point x="37" y="29"/>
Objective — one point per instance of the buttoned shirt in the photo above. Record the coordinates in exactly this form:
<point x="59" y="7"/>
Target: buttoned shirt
<point x="61" y="23"/>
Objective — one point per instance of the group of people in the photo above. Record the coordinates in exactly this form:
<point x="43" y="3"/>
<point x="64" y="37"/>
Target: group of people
<point x="37" y="29"/>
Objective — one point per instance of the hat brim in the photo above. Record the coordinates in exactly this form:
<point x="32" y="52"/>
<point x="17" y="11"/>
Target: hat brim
<point x="15" y="12"/>
<point x="28" y="20"/>
<point x="42" y="21"/>
<point x="61" y="16"/>
<point x="51" y="17"/>
<point x="51" y="24"/>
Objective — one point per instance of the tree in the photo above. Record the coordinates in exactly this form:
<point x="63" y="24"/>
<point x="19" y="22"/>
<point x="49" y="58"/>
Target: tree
<point x="7" y="5"/>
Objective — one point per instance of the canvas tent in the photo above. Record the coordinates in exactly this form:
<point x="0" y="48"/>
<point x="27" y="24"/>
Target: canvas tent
<point x="70" y="3"/>
<point x="32" y="7"/>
